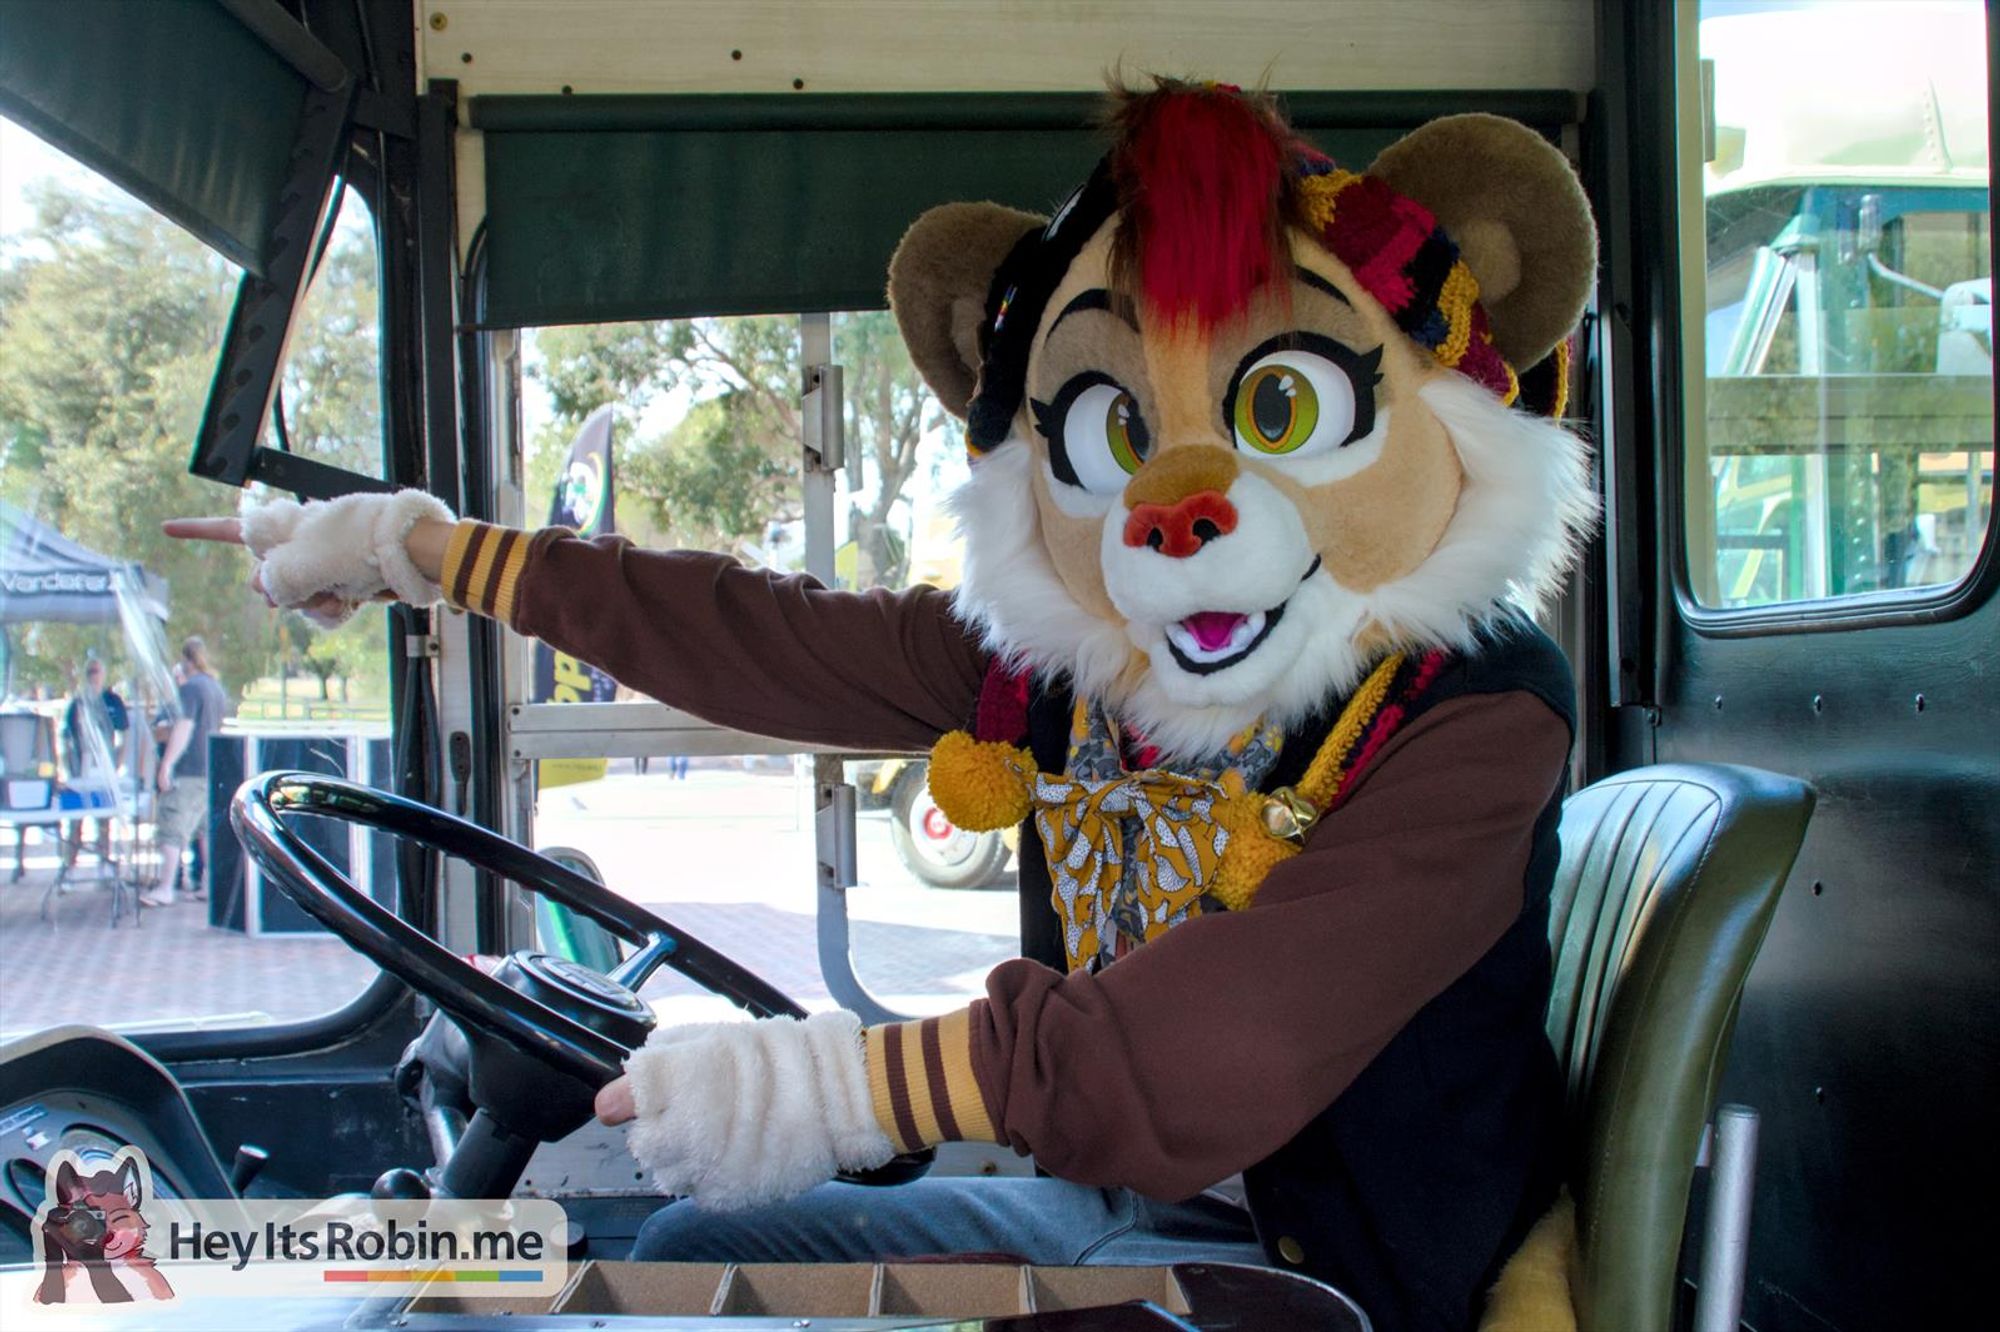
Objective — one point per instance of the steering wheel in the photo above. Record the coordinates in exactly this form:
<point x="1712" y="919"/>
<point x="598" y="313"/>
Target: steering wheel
<point x="543" y="1033"/>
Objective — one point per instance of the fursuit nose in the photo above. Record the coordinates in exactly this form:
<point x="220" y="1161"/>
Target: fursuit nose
<point x="1179" y="530"/>
<point x="1178" y="501"/>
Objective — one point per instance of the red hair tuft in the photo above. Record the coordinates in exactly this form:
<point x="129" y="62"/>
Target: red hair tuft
<point x="1201" y="173"/>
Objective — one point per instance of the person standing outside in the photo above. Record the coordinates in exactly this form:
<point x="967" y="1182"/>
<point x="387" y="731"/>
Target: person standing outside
<point x="95" y="716"/>
<point x="181" y="813"/>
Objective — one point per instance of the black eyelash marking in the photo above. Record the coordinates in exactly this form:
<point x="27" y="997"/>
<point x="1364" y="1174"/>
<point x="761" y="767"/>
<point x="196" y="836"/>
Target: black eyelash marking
<point x="1049" y="421"/>
<point x="1369" y="364"/>
<point x="1043" y="414"/>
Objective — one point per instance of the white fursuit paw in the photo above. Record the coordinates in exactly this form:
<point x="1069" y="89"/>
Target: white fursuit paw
<point x="739" y="1114"/>
<point x="350" y="548"/>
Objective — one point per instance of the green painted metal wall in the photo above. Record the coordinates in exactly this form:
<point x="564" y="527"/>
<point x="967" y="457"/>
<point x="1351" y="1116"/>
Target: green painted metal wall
<point x="602" y="208"/>
<point x="174" y="100"/>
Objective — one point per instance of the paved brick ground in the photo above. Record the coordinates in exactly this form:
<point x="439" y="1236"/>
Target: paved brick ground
<point x="170" y="969"/>
<point x="728" y="857"/>
<point x="725" y="855"/>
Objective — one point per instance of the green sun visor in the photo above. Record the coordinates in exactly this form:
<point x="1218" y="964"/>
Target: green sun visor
<point x="603" y="208"/>
<point x="180" y="103"/>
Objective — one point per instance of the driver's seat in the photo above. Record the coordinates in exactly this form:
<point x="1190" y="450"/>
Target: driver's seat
<point x="1668" y="882"/>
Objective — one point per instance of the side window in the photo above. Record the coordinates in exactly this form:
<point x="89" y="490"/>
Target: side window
<point x="1840" y="409"/>
<point x="110" y="317"/>
<point x="936" y="908"/>
<point x="704" y="453"/>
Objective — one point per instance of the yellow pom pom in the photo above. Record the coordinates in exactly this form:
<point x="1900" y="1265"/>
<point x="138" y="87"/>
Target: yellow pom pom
<point x="981" y="785"/>
<point x="1252" y="851"/>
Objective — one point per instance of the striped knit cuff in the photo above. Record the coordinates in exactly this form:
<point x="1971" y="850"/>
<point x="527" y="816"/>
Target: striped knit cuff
<point x="482" y="568"/>
<point x="921" y="1081"/>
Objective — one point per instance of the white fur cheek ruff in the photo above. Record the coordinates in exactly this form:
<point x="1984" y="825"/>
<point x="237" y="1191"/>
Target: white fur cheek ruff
<point x="740" y="1114"/>
<point x="1011" y="590"/>
<point x="1525" y="508"/>
<point x="351" y="547"/>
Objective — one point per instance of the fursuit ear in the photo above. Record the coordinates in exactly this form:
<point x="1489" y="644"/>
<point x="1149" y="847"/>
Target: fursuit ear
<point x="1519" y="216"/>
<point x="938" y="280"/>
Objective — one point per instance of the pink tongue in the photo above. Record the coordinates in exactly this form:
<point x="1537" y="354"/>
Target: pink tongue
<point x="1213" y="629"/>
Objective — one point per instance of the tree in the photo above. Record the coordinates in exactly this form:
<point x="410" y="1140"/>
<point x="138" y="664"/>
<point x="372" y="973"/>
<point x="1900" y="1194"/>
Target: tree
<point x="106" y="344"/>
<point x="330" y="654"/>
<point x="889" y="411"/>
<point x="726" y="473"/>
<point x="110" y="320"/>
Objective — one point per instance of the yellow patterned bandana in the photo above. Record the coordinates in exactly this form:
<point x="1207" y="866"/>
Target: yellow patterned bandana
<point x="1131" y="855"/>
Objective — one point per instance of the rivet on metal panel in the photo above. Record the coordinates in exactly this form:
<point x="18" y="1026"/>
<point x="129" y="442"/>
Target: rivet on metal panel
<point x="439" y="23"/>
<point x="1920" y="704"/>
<point x="1819" y="1095"/>
<point x="798" y="84"/>
<point x="465" y="57"/>
<point x="1718" y="702"/>
<point x="735" y="55"/>
<point x="1818" y="887"/>
<point x="1819" y="703"/>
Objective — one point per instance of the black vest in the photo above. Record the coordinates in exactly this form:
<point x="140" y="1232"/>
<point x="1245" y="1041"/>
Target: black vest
<point x="1412" y="1189"/>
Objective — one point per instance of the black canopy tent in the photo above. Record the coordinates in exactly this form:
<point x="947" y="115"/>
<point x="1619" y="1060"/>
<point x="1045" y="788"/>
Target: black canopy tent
<point x="46" y="576"/>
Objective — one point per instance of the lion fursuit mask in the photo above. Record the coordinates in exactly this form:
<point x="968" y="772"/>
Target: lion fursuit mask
<point x="1241" y="421"/>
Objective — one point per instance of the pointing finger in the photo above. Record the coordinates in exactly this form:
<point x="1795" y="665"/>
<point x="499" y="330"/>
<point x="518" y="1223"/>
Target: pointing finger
<point x="229" y="530"/>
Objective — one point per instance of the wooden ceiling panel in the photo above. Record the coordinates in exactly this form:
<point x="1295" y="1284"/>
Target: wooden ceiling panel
<point x="835" y="46"/>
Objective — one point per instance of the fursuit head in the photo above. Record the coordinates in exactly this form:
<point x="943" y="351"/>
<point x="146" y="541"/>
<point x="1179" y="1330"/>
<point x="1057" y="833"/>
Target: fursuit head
<point x="1242" y="422"/>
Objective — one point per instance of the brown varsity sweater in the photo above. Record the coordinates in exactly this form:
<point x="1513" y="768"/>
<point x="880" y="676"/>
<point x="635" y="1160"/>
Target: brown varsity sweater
<point x="1193" y="1057"/>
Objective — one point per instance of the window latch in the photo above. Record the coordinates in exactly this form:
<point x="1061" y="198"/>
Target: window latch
<point x="825" y="421"/>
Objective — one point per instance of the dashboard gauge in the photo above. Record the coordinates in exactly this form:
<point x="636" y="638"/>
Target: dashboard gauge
<point x="95" y="1150"/>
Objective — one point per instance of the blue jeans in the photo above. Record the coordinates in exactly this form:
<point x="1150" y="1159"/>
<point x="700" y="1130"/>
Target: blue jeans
<point x="1046" y="1221"/>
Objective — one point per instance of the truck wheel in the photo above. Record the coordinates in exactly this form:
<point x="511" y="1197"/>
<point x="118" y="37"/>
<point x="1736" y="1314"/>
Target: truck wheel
<point x="932" y="847"/>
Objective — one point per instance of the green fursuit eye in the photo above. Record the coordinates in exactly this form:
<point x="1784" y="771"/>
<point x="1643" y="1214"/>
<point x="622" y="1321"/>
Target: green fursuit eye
<point x="1125" y="433"/>
<point x="1276" y="408"/>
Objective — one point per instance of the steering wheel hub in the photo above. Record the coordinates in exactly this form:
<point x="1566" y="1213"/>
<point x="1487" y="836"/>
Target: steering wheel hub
<point x="595" y="1000"/>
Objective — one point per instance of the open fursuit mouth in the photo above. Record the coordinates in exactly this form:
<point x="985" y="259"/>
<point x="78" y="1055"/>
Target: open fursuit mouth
<point x="1209" y="641"/>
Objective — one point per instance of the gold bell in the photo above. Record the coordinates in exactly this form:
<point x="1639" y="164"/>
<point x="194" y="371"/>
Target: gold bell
<point x="1288" y="816"/>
